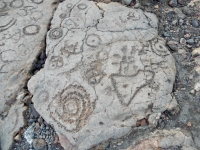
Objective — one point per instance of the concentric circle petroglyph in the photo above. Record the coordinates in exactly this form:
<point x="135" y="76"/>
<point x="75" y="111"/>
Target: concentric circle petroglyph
<point x="56" y="33"/>
<point x="104" y="74"/>
<point x="73" y="107"/>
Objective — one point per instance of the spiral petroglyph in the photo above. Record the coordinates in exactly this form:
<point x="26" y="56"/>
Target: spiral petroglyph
<point x="56" y="33"/>
<point x="103" y="73"/>
<point x="73" y="108"/>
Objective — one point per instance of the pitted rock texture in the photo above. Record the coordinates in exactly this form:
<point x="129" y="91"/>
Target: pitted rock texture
<point x="165" y="140"/>
<point x="105" y="70"/>
<point x="23" y="28"/>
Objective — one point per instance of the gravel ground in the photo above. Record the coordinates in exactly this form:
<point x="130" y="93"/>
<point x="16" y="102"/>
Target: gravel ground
<point x="179" y="25"/>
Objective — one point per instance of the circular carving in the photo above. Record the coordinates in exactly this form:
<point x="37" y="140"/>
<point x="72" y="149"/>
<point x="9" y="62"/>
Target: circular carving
<point x="16" y="3"/>
<point x="69" y="5"/>
<point x="2" y="5"/>
<point x="73" y="107"/>
<point x="37" y="1"/>
<point x="159" y="48"/>
<point x="31" y="30"/>
<point x="43" y="96"/>
<point x="82" y="6"/>
<point x="62" y="16"/>
<point x="37" y="15"/>
<point x="56" y="33"/>
<point x="93" y="40"/>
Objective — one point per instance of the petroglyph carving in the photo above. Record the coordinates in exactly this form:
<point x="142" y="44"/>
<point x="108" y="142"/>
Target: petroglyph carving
<point x="16" y="3"/>
<point x="62" y="16"/>
<point x="94" y="74"/>
<point x="43" y="96"/>
<point x="73" y="108"/>
<point x="82" y="6"/>
<point x="37" y="15"/>
<point x="3" y="5"/>
<point x="37" y="1"/>
<point x="31" y="29"/>
<point x="159" y="48"/>
<point x="8" y="25"/>
<point x="56" y="62"/>
<point x="56" y="33"/>
<point x="69" y="48"/>
<point x="69" y="5"/>
<point x="127" y="86"/>
<point x="133" y="16"/>
<point x="93" y="40"/>
<point x="103" y="73"/>
<point x="22" y="37"/>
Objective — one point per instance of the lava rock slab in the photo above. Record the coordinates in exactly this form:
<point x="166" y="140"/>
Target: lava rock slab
<point x="106" y="69"/>
<point x="23" y="28"/>
<point x="165" y="139"/>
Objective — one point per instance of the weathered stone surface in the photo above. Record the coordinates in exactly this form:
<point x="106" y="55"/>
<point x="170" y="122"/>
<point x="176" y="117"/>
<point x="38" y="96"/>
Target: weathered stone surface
<point x="105" y="70"/>
<point x="10" y="125"/>
<point x="23" y="27"/>
<point x="165" y="140"/>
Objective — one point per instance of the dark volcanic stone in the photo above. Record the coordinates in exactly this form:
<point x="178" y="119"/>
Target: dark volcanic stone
<point x="173" y="3"/>
<point x="195" y="23"/>
<point x="190" y="41"/>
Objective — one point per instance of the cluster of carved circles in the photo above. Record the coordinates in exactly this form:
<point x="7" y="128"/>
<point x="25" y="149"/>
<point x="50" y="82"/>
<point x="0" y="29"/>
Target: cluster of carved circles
<point x="73" y="107"/>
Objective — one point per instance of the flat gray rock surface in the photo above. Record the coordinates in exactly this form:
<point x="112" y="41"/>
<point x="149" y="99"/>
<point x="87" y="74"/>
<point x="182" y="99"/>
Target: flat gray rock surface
<point x="106" y="69"/>
<point x="23" y="27"/>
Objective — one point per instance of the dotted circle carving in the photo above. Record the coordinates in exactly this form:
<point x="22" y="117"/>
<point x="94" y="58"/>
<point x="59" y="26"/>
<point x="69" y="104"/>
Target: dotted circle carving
<point x="93" y="40"/>
<point x="56" y="33"/>
<point x="73" y="107"/>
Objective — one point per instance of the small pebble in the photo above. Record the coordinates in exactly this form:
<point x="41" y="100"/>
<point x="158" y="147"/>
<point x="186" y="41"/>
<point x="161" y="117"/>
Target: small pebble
<point x="189" y="124"/>
<point x="192" y="92"/>
<point x="165" y="34"/>
<point x="195" y="23"/>
<point x="190" y="41"/>
<point x="18" y="138"/>
<point x="186" y="11"/>
<point x="191" y="77"/>
<point x="182" y="41"/>
<point x="156" y="6"/>
<point x="181" y="21"/>
<point x="174" y="22"/>
<point x="173" y="3"/>
<point x="187" y="36"/>
<point x="39" y="144"/>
